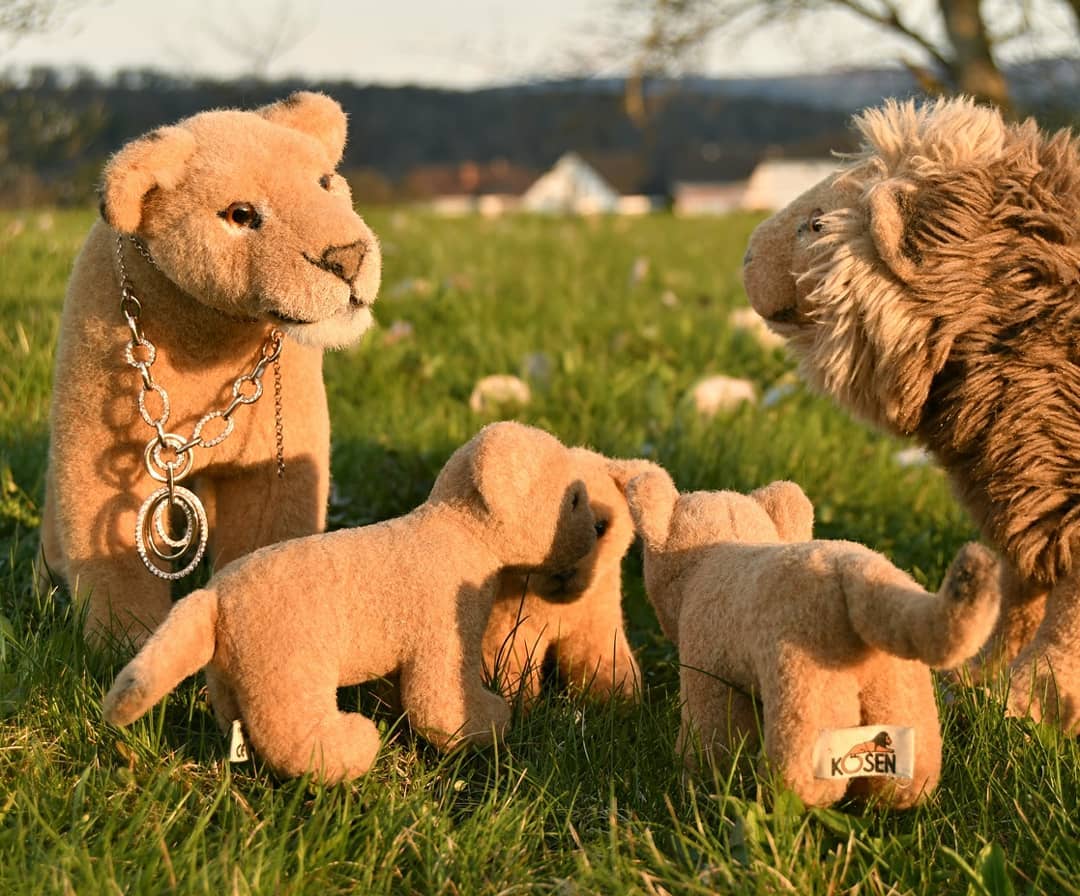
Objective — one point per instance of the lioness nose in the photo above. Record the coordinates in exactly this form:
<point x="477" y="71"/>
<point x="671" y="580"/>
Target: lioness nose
<point x="344" y="261"/>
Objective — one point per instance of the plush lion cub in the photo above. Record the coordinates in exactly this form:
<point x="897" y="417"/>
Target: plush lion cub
<point x="573" y="618"/>
<point x="827" y="635"/>
<point x="284" y="627"/>
<point x="933" y="287"/>
<point x="216" y="231"/>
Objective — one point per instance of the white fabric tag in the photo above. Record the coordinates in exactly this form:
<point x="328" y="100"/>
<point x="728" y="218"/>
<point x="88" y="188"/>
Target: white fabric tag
<point x="238" y="751"/>
<point x="872" y="751"/>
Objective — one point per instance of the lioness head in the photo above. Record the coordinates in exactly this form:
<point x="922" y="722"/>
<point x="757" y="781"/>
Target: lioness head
<point x="245" y="212"/>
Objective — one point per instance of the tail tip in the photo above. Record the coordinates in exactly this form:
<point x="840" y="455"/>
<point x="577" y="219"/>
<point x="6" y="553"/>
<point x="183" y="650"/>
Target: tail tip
<point x="972" y="577"/>
<point x="125" y="701"/>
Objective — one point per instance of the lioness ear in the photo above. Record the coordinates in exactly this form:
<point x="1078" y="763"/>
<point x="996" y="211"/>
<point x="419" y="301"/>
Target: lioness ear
<point x="314" y="114"/>
<point x="154" y="161"/>
<point x="789" y="508"/>
<point x="891" y="212"/>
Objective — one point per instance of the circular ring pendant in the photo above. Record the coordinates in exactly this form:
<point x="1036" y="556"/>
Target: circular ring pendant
<point x="159" y="468"/>
<point x="152" y="537"/>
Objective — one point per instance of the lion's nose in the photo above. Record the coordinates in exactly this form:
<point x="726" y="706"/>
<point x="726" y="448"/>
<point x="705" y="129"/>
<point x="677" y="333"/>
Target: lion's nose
<point x="344" y="261"/>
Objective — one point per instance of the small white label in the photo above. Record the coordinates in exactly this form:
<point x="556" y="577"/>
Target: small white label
<point x="872" y="751"/>
<point x="238" y="751"/>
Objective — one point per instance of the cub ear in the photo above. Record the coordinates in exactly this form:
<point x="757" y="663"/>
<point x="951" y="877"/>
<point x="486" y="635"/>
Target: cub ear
<point x="154" y="161"/>
<point x="652" y="497"/>
<point x="622" y="471"/>
<point x="892" y="213"/>
<point x="505" y="460"/>
<point x="314" y="114"/>
<point x="789" y="508"/>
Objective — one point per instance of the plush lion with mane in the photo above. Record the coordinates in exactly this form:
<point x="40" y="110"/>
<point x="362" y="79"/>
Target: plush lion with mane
<point x="932" y="287"/>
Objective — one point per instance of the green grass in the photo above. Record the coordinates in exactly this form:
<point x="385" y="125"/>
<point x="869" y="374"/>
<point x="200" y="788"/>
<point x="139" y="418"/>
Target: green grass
<point x="582" y="797"/>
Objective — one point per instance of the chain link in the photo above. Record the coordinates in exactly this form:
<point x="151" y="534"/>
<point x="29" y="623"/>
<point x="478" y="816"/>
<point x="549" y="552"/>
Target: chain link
<point x="140" y="353"/>
<point x="247" y="389"/>
<point x="279" y="428"/>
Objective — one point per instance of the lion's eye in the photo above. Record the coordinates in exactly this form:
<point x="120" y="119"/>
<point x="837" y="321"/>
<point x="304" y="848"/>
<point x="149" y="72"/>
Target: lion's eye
<point x="601" y="527"/>
<point x="242" y="214"/>
<point x="816" y="223"/>
<point x="326" y="181"/>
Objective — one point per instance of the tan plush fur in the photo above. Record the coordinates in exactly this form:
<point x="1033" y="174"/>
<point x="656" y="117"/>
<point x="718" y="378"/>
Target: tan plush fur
<point x="285" y="626"/>
<point x="575" y="619"/>
<point x="213" y="292"/>
<point x="823" y="634"/>
<point x="933" y="287"/>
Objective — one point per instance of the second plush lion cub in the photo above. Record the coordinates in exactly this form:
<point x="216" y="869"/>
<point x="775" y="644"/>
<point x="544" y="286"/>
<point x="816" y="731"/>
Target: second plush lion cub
<point x="827" y="635"/>
<point x="284" y="627"/>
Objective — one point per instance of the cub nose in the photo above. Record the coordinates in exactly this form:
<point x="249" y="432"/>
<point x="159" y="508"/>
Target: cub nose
<point x="747" y="256"/>
<point x="344" y="261"/>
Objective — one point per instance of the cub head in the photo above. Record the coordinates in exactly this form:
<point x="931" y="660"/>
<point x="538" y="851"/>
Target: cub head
<point x="931" y="245"/>
<point x="679" y="530"/>
<point x="245" y="212"/>
<point x="520" y="484"/>
<point x="673" y="522"/>
<point x="605" y="480"/>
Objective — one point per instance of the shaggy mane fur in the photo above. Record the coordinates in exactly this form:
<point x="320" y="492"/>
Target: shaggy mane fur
<point x="978" y="351"/>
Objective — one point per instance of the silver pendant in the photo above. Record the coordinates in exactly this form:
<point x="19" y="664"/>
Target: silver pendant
<point x="155" y="543"/>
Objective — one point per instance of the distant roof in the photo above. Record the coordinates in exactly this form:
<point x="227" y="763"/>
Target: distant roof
<point x="571" y="185"/>
<point x="775" y="182"/>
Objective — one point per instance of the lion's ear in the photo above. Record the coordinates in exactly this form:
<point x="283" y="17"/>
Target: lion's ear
<point x="314" y="114"/>
<point x="155" y="161"/>
<point x="892" y="209"/>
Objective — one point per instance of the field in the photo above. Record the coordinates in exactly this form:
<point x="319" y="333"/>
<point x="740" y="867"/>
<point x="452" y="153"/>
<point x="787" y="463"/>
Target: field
<point x="612" y="321"/>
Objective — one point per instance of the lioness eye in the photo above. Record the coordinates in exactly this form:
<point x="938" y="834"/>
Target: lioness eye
<point x="601" y="528"/>
<point x="326" y="180"/>
<point x="242" y="214"/>
<point x="816" y="223"/>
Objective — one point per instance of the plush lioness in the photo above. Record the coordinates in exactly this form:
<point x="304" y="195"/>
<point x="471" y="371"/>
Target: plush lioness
<point x="932" y="285"/>
<point x="228" y="243"/>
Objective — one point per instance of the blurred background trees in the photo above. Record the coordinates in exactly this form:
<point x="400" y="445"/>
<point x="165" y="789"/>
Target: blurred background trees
<point x="639" y="104"/>
<point x="950" y="46"/>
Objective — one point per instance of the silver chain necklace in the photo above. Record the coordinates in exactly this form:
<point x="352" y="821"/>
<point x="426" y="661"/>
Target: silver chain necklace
<point x="157" y="545"/>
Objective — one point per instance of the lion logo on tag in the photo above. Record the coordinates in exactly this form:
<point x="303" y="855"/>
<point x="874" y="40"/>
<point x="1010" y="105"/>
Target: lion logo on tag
<point x="875" y="756"/>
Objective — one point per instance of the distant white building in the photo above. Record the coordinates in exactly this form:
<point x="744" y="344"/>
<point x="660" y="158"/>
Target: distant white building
<point x="774" y="183"/>
<point x="704" y="198"/>
<point x="571" y="186"/>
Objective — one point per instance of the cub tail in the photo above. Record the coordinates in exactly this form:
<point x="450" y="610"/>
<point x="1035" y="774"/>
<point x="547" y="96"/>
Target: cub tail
<point x="888" y="610"/>
<point x="182" y="645"/>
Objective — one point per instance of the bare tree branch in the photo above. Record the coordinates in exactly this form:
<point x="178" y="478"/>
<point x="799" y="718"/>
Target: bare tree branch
<point x="21" y="17"/>
<point x="965" y="58"/>
<point x="891" y="21"/>
<point x="259" y="44"/>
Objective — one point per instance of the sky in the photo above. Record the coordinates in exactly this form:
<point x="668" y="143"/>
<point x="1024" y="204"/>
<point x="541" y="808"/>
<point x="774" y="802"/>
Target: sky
<point x="453" y="43"/>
